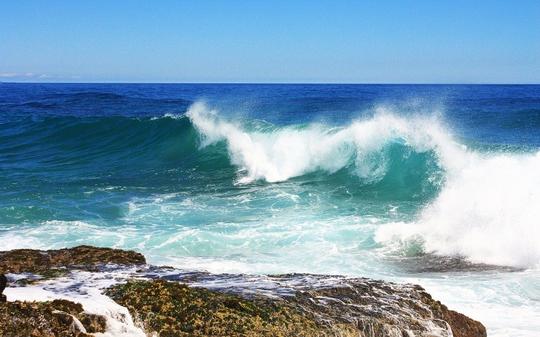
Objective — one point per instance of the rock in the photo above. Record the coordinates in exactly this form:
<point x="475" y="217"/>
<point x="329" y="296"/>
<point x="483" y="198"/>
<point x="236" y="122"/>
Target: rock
<point x="433" y="263"/>
<point x="387" y="309"/>
<point x="41" y="319"/>
<point x="93" y="323"/>
<point x="356" y="307"/>
<point x="52" y="263"/>
<point x="66" y="306"/>
<point x="3" y="283"/>
<point x="174" y="309"/>
<point x="162" y="302"/>
<point x="462" y="326"/>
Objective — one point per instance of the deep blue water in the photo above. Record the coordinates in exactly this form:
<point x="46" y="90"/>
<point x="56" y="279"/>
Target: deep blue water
<point x="348" y="179"/>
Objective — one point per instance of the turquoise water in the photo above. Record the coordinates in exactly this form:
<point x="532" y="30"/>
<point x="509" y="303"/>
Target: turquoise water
<point x="363" y="180"/>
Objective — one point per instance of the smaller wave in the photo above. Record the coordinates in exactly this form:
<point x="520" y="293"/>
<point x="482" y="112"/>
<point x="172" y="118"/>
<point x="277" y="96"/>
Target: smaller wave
<point x="39" y="105"/>
<point x="97" y="97"/>
<point x="88" y="95"/>
<point x="67" y="140"/>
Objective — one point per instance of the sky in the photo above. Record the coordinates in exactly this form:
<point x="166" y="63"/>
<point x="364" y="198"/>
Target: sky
<point x="326" y="41"/>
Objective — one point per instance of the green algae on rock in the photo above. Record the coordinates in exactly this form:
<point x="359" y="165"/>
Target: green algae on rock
<point x="58" y="318"/>
<point x="174" y="309"/>
<point x="363" y="308"/>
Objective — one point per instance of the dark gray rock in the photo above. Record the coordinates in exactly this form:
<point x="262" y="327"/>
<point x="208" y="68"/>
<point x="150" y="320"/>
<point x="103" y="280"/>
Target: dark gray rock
<point x="3" y="282"/>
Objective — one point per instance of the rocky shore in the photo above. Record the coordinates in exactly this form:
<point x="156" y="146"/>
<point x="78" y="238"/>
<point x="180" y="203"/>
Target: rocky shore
<point x="89" y="291"/>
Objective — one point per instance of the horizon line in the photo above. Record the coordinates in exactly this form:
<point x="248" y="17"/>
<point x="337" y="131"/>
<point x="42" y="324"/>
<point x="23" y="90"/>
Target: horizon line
<point x="280" y="83"/>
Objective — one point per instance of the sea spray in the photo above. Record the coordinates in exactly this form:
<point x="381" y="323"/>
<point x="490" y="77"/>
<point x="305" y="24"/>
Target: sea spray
<point x="488" y="212"/>
<point x="289" y="152"/>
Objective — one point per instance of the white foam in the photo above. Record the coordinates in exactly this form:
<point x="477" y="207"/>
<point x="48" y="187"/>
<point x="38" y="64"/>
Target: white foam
<point x="55" y="234"/>
<point x="507" y="304"/>
<point x="488" y="211"/>
<point x="79" y="290"/>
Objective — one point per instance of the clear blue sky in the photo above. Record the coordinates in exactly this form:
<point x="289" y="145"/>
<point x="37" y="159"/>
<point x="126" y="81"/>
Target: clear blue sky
<point x="430" y="41"/>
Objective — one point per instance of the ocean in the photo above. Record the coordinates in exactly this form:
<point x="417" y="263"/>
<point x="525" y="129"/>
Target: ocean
<point x="431" y="184"/>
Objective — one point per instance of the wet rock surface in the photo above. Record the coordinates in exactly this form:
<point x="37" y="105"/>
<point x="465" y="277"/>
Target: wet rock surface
<point x="339" y="304"/>
<point x="165" y="301"/>
<point x="354" y="307"/>
<point x="431" y="263"/>
<point x="3" y="283"/>
<point x="174" y="309"/>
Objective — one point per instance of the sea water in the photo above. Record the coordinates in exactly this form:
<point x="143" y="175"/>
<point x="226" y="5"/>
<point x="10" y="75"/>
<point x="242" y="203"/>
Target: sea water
<point x="381" y="181"/>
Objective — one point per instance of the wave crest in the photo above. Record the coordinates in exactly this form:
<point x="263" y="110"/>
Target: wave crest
<point x="284" y="153"/>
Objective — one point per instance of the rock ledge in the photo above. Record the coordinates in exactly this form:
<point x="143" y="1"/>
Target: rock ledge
<point x="169" y="302"/>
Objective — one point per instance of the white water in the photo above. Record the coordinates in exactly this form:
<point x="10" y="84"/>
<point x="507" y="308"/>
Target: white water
<point x="77" y="288"/>
<point x="508" y="304"/>
<point x="488" y="211"/>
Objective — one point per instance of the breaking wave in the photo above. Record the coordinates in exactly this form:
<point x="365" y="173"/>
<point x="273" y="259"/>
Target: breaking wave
<point x="486" y="206"/>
